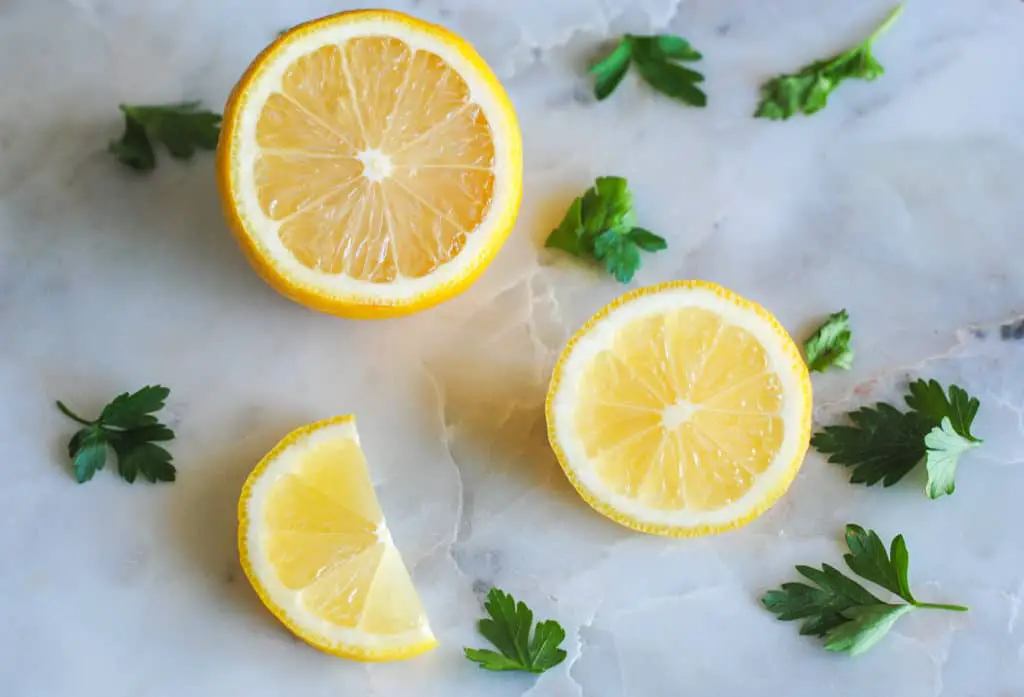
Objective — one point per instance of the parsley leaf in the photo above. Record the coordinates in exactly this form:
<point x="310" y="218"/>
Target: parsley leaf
<point x="508" y="629"/>
<point x="866" y="626"/>
<point x="609" y="71"/>
<point x="657" y="60"/>
<point x="182" y="128"/>
<point x="807" y="90"/>
<point x="884" y="444"/>
<point x="830" y="344"/>
<point x="601" y="225"/>
<point x="821" y="607"/>
<point x="928" y="399"/>
<point x="868" y="559"/>
<point x="128" y="426"/>
<point x="849" y="617"/>
<point x="945" y="446"/>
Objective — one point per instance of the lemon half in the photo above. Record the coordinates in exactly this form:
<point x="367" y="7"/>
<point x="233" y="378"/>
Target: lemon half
<point x="680" y="409"/>
<point x="370" y="164"/>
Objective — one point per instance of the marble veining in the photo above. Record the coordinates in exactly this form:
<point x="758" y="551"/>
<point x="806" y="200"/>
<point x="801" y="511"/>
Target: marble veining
<point x="899" y="202"/>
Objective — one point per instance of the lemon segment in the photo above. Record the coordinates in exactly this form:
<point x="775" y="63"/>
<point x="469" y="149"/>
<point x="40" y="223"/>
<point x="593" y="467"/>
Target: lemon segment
<point x="370" y="164"/>
<point x="315" y="546"/>
<point x="680" y="409"/>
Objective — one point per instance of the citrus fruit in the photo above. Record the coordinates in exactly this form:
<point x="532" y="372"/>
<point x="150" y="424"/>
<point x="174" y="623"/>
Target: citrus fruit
<point x="370" y="164"/>
<point x="316" y="548"/>
<point x="680" y="409"/>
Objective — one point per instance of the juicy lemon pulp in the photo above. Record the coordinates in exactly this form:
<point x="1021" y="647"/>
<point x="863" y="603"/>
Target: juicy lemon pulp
<point x="370" y="164"/>
<point x="315" y="544"/>
<point x="680" y="409"/>
<point x="374" y="160"/>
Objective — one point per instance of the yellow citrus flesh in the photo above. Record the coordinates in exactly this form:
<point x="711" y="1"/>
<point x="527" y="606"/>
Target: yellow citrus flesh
<point x="370" y="164"/>
<point x="681" y="409"/>
<point x="315" y="545"/>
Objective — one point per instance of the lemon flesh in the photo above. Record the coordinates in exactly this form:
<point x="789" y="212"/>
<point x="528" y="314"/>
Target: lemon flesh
<point x="681" y="409"/>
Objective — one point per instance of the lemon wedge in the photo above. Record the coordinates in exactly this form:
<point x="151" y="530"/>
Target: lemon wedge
<point x="314" y="544"/>
<point x="681" y="409"/>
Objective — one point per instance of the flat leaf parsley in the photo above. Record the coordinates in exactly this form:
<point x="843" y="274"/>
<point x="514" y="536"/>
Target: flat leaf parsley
<point x="829" y="346"/>
<point x="128" y="426"/>
<point x="807" y="91"/>
<point x="884" y="444"/>
<point x="838" y="608"/>
<point x="601" y="225"/>
<point x="508" y="628"/>
<point x="182" y="128"/>
<point x="657" y="59"/>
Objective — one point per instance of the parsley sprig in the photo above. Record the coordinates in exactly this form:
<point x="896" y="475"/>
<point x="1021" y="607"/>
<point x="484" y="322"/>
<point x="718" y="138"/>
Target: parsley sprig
<point x="128" y="426"/>
<point x="829" y="346"/>
<point x="182" y="128"/>
<point x="601" y="225"/>
<point x="508" y="628"/>
<point x="838" y="608"/>
<point x="885" y="444"/>
<point x="807" y="90"/>
<point x="657" y="60"/>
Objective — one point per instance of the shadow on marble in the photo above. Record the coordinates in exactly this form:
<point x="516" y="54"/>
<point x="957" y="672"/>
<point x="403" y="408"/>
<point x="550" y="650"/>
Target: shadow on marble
<point x="202" y="522"/>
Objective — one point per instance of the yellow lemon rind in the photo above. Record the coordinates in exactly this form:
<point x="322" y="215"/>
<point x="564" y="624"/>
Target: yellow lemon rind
<point x="357" y="653"/>
<point x="351" y="305"/>
<point x="782" y="482"/>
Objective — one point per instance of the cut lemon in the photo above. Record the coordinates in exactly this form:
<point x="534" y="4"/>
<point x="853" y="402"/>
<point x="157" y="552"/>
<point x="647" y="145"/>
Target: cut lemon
<point x="680" y="409"/>
<point x="315" y="546"/>
<point x="370" y="164"/>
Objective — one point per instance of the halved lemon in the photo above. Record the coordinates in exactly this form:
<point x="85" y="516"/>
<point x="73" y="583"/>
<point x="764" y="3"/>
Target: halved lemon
<point x="316" y="548"/>
<point x="370" y="164"/>
<point x="680" y="409"/>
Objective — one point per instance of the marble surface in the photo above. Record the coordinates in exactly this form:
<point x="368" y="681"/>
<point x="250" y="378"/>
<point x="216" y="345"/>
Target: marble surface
<point x="901" y="202"/>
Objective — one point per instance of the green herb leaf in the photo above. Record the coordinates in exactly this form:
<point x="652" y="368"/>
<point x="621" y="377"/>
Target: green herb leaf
<point x="182" y="128"/>
<point x="669" y="47"/>
<point x="821" y="607"/>
<point x="647" y="240"/>
<point x="88" y="450"/>
<point x="601" y="225"/>
<point x="620" y="254"/>
<point x="829" y="346"/>
<point x="651" y="55"/>
<point x="656" y="58"/>
<point x="851" y="619"/>
<point x="508" y="628"/>
<point x="134" y="148"/>
<point x="127" y="425"/>
<point x="945" y="446"/>
<point x="135" y="410"/>
<point x="868" y="559"/>
<point x="928" y="399"/>
<point x="867" y="626"/>
<point x="609" y="71"/>
<point x="807" y="91"/>
<point x="882" y="445"/>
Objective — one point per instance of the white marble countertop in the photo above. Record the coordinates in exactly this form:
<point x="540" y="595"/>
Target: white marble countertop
<point x="901" y="202"/>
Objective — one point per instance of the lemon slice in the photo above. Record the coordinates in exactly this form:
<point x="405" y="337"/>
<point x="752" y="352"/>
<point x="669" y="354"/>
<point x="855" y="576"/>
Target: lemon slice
<point x="680" y="409"/>
<point x="370" y="164"/>
<point x="316" y="548"/>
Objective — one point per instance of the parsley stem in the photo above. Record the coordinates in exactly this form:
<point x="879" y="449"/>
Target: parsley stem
<point x="941" y="606"/>
<point x="889" y="21"/>
<point x="72" y="415"/>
